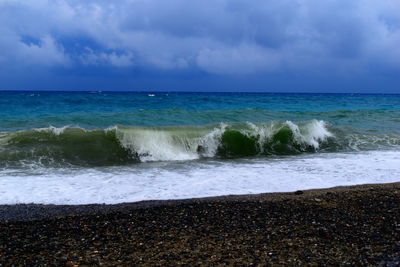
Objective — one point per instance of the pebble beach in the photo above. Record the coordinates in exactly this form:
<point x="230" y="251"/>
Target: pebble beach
<point x="357" y="225"/>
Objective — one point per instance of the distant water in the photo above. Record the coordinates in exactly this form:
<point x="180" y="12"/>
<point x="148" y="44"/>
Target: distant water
<point x="102" y="147"/>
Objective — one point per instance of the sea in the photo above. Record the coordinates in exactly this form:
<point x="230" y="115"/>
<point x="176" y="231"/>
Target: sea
<point x="114" y="147"/>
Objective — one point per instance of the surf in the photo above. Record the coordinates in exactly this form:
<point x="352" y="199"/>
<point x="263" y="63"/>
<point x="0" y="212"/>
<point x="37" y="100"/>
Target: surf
<point x="120" y="145"/>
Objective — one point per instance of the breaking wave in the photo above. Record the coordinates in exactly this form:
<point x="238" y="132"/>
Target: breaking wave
<point x="125" y="145"/>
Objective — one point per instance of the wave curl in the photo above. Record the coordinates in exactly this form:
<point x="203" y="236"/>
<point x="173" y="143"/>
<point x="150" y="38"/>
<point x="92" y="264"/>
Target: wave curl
<point x="124" y="145"/>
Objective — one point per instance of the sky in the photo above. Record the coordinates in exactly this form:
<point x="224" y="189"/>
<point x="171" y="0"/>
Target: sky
<point x="197" y="45"/>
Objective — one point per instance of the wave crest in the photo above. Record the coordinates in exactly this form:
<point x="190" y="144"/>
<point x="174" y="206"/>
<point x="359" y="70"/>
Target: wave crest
<point x="124" y="145"/>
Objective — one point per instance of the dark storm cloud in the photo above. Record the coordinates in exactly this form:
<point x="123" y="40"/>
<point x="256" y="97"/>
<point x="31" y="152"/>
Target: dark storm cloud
<point x="221" y="37"/>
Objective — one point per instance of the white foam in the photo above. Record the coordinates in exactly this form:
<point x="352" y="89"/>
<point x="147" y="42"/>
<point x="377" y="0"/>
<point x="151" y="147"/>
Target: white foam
<point x="315" y="132"/>
<point x="152" y="144"/>
<point x="54" y="130"/>
<point x="176" y="180"/>
<point x="211" y="141"/>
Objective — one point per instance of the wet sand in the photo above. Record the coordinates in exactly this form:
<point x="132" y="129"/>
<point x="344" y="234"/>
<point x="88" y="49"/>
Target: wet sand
<point x="337" y="226"/>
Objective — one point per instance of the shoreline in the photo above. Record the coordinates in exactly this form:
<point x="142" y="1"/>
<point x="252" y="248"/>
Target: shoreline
<point x="33" y="211"/>
<point x="341" y="225"/>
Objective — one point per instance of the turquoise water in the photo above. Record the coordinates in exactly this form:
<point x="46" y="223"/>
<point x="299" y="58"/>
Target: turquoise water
<point x="91" y="110"/>
<point x="109" y="128"/>
<point x="103" y="147"/>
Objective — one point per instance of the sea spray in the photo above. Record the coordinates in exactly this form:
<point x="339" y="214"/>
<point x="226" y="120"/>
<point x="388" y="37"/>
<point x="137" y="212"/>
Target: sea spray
<point x="158" y="145"/>
<point x="125" y="145"/>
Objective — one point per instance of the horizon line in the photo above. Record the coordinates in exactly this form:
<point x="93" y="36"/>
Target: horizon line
<point x="178" y="91"/>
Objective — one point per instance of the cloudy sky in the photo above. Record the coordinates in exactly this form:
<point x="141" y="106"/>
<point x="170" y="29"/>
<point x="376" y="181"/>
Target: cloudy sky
<point x="220" y="45"/>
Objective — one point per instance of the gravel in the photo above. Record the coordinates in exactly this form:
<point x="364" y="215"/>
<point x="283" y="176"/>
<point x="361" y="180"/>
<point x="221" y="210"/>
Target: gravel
<point x="358" y="225"/>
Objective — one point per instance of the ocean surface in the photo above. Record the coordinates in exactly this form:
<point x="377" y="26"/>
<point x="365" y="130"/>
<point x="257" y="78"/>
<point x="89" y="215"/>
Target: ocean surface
<point x="109" y="147"/>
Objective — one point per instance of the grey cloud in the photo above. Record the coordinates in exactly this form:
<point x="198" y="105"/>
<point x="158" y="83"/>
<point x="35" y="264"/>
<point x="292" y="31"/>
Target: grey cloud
<point x="243" y="59"/>
<point x="90" y="57"/>
<point x="221" y="37"/>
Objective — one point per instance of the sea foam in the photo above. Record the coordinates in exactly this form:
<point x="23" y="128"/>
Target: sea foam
<point x="177" y="180"/>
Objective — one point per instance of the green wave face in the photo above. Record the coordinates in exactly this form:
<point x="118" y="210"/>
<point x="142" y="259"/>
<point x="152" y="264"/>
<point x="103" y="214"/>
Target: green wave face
<point x="127" y="145"/>
<point x="284" y="142"/>
<point x="236" y="144"/>
<point x="73" y="146"/>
